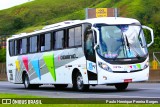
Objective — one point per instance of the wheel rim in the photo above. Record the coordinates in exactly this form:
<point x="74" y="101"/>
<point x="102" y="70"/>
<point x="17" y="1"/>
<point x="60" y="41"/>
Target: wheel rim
<point x="26" y="82"/>
<point x="79" y="82"/>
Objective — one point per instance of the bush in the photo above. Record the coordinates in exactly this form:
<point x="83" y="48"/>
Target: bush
<point x="2" y="55"/>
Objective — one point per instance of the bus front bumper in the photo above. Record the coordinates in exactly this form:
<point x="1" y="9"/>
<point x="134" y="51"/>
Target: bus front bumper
<point x="105" y="77"/>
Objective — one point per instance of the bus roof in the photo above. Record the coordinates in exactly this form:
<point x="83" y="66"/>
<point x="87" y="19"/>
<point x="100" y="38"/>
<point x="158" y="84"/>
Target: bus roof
<point x="106" y="20"/>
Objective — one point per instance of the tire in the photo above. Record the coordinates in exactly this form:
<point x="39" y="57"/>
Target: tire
<point x="27" y="84"/>
<point x="60" y="86"/>
<point x="78" y="83"/>
<point x="121" y="86"/>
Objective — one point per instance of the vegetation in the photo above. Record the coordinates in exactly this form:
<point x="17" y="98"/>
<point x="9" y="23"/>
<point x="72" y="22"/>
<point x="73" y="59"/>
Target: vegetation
<point x="2" y="55"/>
<point x="38" y="13"/>
<point x="7" y="95"/>
<point x="22" y="97"/>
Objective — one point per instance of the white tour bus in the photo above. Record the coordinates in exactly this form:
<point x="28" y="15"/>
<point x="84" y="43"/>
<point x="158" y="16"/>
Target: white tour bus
<point x="108" y="51"/>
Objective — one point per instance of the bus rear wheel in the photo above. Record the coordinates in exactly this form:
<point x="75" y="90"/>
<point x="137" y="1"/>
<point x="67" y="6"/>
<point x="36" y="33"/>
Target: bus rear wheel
<point x="79" y="84"/>
<point x="60" y="86"/>
<point x="26" y="82"/>
<point x="121" y="86"/>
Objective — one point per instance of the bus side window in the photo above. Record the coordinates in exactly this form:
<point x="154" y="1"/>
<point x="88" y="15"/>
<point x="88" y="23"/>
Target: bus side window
<point x="11" y="48"/>
<point x="33" y="44"/>
<point x="18" y="46"/>
<point x="71" y="37"/>
<point x="88" y="39"/>
<point x="59" y="40"/>
<point x="78" y="36"/>
<point x="24" y="45"/>
<point x="89" y="43"/>
<point x="42" y="42"/>
<point x="47" y="41"/>
<point x="15" y="47"/>
<point x="74" y="37"/>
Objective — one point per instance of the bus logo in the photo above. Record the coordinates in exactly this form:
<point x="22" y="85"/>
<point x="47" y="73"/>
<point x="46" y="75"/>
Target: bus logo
<point x="90" y="66"/>
<point x="63" y="57"/>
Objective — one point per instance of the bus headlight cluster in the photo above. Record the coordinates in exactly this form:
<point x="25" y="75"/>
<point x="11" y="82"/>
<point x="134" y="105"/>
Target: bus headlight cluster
<point x="104" y="66"/>
<point x="146" y="65"/>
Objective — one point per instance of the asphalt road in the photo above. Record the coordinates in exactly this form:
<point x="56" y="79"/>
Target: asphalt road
<point x="134" y="90"/>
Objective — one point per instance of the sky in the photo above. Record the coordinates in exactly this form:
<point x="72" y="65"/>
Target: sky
<point x="4" y="4"/>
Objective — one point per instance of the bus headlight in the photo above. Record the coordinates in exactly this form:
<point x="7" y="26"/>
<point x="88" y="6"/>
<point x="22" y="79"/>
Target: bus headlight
<point x="146" y="65"/>
<point x="104" y="66"/>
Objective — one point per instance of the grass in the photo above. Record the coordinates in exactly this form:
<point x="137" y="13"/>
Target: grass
<point x="86" y="105"/>
<point x="6" y="95"/>
<point x="9" y="95"/>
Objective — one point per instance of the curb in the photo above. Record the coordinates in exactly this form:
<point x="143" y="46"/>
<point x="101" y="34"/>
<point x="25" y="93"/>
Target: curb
<point x="153" y="81"/>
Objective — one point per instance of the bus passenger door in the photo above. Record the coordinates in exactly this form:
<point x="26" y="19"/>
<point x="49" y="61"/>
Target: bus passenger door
<point x="90" y="56"/>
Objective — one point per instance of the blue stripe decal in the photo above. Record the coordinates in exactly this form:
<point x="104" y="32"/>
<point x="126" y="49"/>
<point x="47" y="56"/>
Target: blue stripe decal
<point x="35" y="64"/>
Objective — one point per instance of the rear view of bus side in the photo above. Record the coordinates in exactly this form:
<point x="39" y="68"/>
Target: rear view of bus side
<point x="108" y="51"/>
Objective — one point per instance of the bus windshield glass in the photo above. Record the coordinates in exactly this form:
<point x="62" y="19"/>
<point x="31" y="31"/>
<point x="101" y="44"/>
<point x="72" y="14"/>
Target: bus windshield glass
<point x="121" y="41"/>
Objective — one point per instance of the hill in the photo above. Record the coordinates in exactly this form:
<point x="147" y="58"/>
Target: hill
<point x="38" y="13"/>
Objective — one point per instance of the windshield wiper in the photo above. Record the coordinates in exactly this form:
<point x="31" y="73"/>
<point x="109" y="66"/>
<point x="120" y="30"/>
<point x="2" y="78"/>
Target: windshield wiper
<point x="127" y="43"/>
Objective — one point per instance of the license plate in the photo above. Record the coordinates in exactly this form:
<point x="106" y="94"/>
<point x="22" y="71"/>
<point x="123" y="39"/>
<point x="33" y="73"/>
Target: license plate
<point x="127" y="80"/>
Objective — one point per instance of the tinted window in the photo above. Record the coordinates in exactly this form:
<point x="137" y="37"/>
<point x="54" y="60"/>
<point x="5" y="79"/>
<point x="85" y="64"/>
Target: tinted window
<point x="41" y="42"/>
<point x="33" y="44"/>
<point x="24" y="46"/>
<point x="74" y="37"/>
<point x="58" y="37"/>
<point x="48" y="41"/>
<point x="11" y="48"/>
<point x="71" y="37"/>
<point x="18" y="46"/>
<point x="15" y="47"/>
<point x="89" y="43"/>
<point x="78" y="36"/>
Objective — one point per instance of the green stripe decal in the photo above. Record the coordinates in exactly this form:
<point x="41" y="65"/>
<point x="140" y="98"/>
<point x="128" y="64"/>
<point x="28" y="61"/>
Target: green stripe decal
<point x="49" y="61"/>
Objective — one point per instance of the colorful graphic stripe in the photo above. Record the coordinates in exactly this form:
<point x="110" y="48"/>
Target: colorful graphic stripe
<point x="25" y="62"/>
<point x="49" y="61"/>
<point x="35" y="64"/>
<point x="17" y="65"/>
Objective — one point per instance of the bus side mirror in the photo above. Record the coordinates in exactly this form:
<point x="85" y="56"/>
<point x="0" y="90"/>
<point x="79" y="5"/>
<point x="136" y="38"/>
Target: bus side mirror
<point x="95" y="46"/>
<point x="152" y="35"/>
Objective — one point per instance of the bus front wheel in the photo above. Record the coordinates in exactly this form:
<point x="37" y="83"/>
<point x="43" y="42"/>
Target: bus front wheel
<point x="121" y="86"/>
<point x="79" y="84"/>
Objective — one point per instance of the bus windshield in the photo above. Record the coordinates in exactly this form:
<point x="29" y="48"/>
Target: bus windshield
<point x="121" y="41"/>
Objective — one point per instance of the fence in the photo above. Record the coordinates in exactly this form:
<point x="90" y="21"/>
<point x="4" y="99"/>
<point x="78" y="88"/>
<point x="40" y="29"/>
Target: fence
<point x="3" y="74"/>
<point x="155" y="66"/>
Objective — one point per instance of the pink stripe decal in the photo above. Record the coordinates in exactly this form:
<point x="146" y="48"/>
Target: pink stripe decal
<point x="25" y="62"/>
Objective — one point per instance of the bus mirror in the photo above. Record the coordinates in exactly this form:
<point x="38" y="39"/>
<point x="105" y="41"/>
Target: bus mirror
<point x="152" y="35"/>
<point x="95" y="46"/>
<point x="144" y="46"/>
